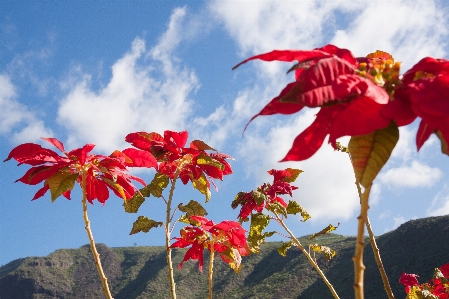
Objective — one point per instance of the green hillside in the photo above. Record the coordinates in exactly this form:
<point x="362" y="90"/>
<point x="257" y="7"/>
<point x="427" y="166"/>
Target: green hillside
<point x="417" y="246"/>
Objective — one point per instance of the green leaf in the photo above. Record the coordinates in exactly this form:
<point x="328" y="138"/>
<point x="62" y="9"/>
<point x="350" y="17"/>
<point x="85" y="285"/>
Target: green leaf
<point x="326" y="251"/>
<point x="294" y="173"/>
<point x="284" y="247"/>
<point x="370" y="152"/>
<point x="259" y="197"/>
<point x="277" y="208"/>
<point x="60" y="182"/>
<point x="259" y="222"/>
<point x="157" y="185"/>
<point x="201" y="185"/>
<point x="144" y="224"/>
<point x="324" y="231"/>
<point x="193" y="208"/>
<point x="204" y="159"/>
<point x="233" y="258"/>
<point x="294" y="208"/>
<point x="133" y="204"/>
<point x="238" y="199"/>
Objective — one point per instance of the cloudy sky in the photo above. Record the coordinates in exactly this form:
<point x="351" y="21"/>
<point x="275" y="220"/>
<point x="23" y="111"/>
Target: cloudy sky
<point x="92" y="72"/>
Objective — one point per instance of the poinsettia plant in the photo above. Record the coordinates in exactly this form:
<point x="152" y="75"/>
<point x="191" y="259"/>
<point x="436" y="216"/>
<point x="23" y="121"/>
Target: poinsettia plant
<point x="365" y="98"/>
<point x="437" y="287"/>
<point x="226" y="238"/>
<point x="267" y="197"/>
<point x="198" y="164"/>
<point x="96" y="174"/>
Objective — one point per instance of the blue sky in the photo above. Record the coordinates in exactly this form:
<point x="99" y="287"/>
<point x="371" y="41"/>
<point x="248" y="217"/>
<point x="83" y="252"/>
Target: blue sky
<point x="91" y="72"/>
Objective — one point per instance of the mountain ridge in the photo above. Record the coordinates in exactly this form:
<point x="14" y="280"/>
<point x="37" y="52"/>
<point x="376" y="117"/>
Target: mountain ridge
<point x="417" y="246"/>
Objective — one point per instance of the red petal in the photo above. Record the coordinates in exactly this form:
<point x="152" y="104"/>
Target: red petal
<point x="316" y="84"/>
<point x="359" y="117"/>
<point x="310" y="140"/>
<point x="409" y="279"/>
<point x="140" y="158"/>
<point x="81" y="153"/>
<point x="342" y="53"/>
<point x="424" y="132"/>
<point x="41" y="192"/>
<point x="287" y="56"/>
<point x="35" y="175"/>
<point x="275" y="106"/>
<point x="56" y="143"/>
<point x="178" y="139"/>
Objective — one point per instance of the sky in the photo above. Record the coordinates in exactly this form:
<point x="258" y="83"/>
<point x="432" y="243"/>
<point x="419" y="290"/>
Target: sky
<point x="92" y="72"/>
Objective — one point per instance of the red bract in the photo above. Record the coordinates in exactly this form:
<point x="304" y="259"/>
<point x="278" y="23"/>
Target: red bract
<point x="438" y="284"/>
<point x="227" y="238"/>
<point x="266" y="194"/>
<point x="329" y="78"/>
<point x="59" y="173"/>
<point x="425" y="93"/>
<point x="192" y="163"/>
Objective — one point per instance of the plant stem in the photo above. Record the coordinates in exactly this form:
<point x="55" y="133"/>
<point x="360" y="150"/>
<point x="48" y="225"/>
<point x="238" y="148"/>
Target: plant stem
<point x="211" y="269"/>
<point x="167" y="237"/>
<point x="359" y="267"/>
<point x="96" y="255"/>
<point x="315" y="265"/>
<point x="380" y="265"/>
<point x="376" y="250"/>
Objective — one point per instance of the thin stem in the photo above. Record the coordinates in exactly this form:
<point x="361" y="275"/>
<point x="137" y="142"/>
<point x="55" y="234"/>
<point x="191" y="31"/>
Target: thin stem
<point x="380" y="265"/>
<point x="96" y="255"/>
<point x="167" y="238"/>
<point x="376" y="250"/>
<point x="312" y="262"/>
<point x="211" y="268"/>
<point x="359" y="267"/>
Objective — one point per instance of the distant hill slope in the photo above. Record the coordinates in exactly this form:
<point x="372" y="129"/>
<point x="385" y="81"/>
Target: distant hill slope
<point x="417" y="246"/>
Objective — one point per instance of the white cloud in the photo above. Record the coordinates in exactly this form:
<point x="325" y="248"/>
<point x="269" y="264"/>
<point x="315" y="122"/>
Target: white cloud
<point x="416" y="175"/>
<point x="17" y="118"/>
<point x="260" y="26"/>
<point x="409" y="30"/>
<point x="142" y="95"/>
<point x="440" y="203"/>
<point x="326" y="188"/>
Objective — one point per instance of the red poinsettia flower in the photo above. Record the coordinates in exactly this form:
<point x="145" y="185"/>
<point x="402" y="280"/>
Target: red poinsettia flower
<point x="425" y="93"/>
<point x="193" y="163"/>
<point x="437" y="286"/>
<point x="59" y="173"/>
<point x="228" y="238"/>
<point x="265" y="194"/>
<point x="329" y="78"/>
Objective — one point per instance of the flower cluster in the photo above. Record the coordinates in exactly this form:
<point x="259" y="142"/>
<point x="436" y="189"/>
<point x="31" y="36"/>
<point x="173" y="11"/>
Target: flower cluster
<point x="437" y="287"/>
<point x="228" y="238"/>
<point x="191" y="163"/>
<point x="267" y="194"/>
<point x="358" y="96"/>
<point x="59" y="173"/>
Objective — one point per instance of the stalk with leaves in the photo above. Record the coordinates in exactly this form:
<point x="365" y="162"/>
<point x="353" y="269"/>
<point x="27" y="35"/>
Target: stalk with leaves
<point x="266" y="197"/>
<point x="365" y="98"/>
<point x="94" y="173"/>
<point x="198" y="164"/>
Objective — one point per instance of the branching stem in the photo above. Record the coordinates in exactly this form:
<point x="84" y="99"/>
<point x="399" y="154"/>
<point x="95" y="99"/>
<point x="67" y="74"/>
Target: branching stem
<point x="312" y="262"/>
<point x="167" y="237"/>
<point x="359" y="267"/>
<point x="104" y="280"/>
<point x="211" y="268"/>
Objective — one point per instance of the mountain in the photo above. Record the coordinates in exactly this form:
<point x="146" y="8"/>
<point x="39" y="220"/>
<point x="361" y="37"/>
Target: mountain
<point x="417" y="246"/>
